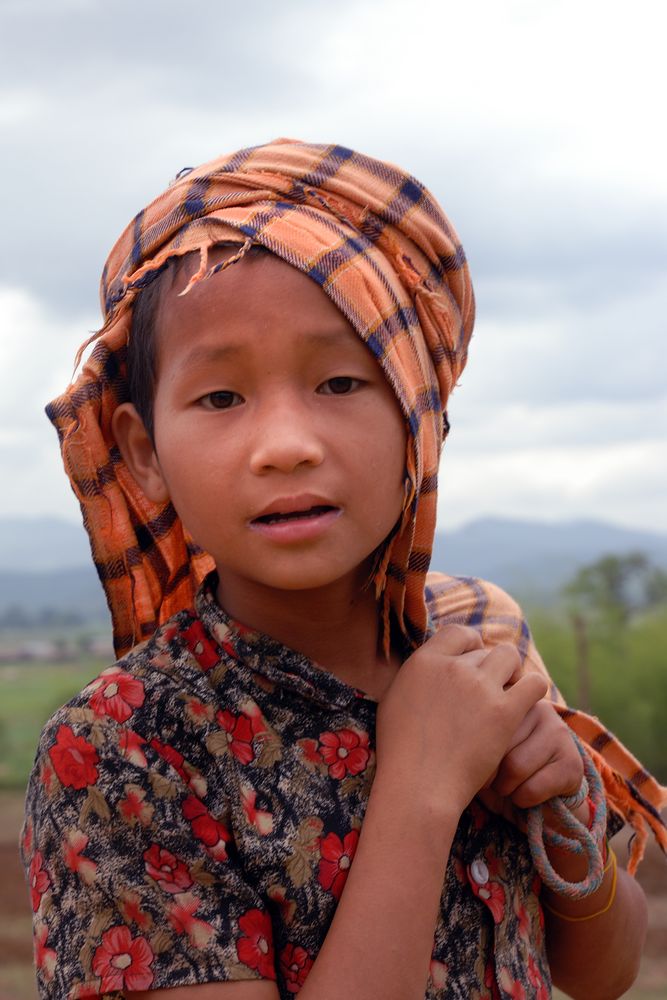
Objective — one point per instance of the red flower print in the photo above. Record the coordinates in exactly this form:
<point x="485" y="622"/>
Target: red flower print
<point x="212" y="833"/>
<point x="310" y="750"/>
<point x="535" y="979"/>
<point x="493" y="895"/>
<point x="261" y="819"/>
<point x="84" y="991"/>
<point x="181" y="914"/>
<point x="116" y="693"/>
<point x="171" y="755"/>
<point x="490" y="979"/>
<point x="130" y="746"/>
<point x="255" y="946"/>
<point x="46" y="776"/>
<point x="169" y="873"/>
<point x="336" y="860"/>
<point x="133" y="808"/>
<point x="295" y="964"/>
<point x="129" y="904"/>
<point x="197" y="711"/>
<point x="522" y="917"/>
<point x="287" y="907"/>
<point x="38" y="879"/>
<point x="240" y="734"/>
<point x="512" y="987"/>
<point x="190" y="775"/>
<point x="74" y="843"/>
<point x="26" y="837"/>
<point x="123" y="962"/>
<point x="45" y="958"/>
<point x="165" y="634"/>
<point x="201" y="646"/>
<point x="74" y="759"/>
<point x="345" y="751"/>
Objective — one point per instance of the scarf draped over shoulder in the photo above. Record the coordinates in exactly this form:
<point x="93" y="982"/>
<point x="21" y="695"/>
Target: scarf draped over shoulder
<point x="379" y="245"/>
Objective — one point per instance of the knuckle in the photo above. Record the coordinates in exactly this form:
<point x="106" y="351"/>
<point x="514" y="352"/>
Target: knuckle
<point x="454" y="630"/>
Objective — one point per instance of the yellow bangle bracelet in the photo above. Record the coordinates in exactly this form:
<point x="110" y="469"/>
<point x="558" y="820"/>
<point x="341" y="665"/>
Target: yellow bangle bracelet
<point x="611" y="863"/>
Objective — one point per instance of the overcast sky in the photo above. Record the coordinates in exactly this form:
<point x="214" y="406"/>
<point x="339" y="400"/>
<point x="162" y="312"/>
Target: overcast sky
<point x="538" y="125"/>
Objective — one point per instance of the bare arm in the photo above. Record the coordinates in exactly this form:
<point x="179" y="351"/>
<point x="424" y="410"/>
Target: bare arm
<point x="430" y="763"/>
<point x="618" y="933"/>
<point x="544" y="762"/>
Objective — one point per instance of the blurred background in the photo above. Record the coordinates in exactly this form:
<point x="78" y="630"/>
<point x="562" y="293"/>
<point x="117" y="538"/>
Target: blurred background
<point x="540" y="128"/>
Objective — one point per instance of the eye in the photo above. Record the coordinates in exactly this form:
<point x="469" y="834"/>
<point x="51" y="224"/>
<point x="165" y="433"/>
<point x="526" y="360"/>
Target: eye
<point x="340" y="385"/>
<point x="221" y="399"/>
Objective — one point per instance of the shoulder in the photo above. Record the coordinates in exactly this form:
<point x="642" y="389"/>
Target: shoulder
<point x="150" y="708"/>
<point x="467" y="600"/>
<point x="470" y="601"/>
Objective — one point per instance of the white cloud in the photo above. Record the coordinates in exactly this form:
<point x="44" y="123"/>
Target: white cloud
<point x="535" y="124"/>
<point x="36" y="357"/>
<point x="623" y="483"/>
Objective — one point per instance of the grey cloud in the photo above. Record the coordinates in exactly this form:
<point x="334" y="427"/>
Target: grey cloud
<point x="203" y="54"/>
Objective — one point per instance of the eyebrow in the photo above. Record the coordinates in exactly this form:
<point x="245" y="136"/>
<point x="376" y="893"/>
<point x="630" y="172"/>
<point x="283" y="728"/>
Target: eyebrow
<point x="201" y="355"/>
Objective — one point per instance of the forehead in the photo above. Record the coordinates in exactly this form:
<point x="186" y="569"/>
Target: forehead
<point x="255" y="295"/>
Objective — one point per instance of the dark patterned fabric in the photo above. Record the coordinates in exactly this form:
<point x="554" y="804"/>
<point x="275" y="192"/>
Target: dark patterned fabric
<point x="194" y="811"/>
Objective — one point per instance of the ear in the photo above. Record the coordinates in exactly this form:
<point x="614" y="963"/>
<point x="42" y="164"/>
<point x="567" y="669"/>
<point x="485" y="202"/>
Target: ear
<point x="139" y="452"/>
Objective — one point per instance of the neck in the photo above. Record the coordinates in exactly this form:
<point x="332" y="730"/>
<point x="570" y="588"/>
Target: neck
<point x="336" y="626"/>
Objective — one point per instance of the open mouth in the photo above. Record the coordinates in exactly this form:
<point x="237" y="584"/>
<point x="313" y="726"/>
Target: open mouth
<point x="294" y="515"/>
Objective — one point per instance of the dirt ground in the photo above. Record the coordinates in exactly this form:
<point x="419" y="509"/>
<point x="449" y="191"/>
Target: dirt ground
<point x="16" y="976"/>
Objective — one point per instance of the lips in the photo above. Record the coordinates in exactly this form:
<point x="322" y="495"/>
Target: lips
<point x="276" y="517"/>
<point x="293" y="508"/>
<point x="296" y="520"/>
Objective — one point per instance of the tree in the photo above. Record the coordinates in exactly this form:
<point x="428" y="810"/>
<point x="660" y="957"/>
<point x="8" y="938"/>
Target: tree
<point x="607" y="594"/>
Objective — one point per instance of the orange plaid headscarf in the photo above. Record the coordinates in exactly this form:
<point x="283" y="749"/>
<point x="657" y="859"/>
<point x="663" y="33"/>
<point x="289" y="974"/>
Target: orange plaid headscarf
<point x="381" y="248"/>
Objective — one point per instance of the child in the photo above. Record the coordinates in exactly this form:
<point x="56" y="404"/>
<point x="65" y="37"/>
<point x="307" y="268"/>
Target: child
<point x="255" y="443"/>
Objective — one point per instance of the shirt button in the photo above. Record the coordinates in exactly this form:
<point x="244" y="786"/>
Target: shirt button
<point x="479" y="872"/>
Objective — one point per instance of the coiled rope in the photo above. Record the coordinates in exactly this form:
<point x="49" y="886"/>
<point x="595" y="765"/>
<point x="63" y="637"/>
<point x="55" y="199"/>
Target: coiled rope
<point x="580" y="839"/>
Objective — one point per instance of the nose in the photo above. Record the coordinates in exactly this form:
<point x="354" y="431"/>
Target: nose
<point x="285" y="438"/>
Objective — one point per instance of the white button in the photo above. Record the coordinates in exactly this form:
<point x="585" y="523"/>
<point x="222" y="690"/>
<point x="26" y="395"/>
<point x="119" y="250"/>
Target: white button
<point x="479" y="872"/>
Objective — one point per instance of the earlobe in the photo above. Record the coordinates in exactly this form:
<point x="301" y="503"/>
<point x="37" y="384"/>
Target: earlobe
<point x="138" y="451"/>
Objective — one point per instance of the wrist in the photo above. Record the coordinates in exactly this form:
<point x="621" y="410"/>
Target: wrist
<point x="436" y="807"/>
<point x="595" y="905"/>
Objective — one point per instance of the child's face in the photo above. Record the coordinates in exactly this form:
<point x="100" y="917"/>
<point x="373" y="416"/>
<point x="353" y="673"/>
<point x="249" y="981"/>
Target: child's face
<point x="268" y="403"/>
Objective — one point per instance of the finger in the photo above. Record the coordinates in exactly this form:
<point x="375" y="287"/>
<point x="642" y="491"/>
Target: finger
<point x="522" y="762"/>
<point x="545" y="784"/>
<point x="527" y="691"/>
<point x="505" y="662"/>
<point x="452" y="640"/>
<point x="528" y="724"/>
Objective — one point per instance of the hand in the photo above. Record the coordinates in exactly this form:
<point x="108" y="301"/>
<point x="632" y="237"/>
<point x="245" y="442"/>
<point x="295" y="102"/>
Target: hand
<point x="542" y="762"/>
<point x="450" y="715"/>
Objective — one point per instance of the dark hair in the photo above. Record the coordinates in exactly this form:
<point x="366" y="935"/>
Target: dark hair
<point x="141" y="347"/>
<point x="141" y="368"/>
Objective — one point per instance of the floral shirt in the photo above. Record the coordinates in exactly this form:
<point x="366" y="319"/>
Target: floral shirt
<point x="193" y="814"/>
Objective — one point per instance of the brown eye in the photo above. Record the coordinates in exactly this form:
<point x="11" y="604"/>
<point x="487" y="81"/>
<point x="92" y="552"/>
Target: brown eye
<point x="340" y="385"/>
<point x="222" y="400"/>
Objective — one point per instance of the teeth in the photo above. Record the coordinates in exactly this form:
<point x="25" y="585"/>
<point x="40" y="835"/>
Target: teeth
<point x="293" y="515"/>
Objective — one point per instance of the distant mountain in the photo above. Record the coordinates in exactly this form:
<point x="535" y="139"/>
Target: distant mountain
<point x="45" y="563"/>
<point x="75" y="592"/>
<point x="42" y="543"/>
<point x="534" y="559"/>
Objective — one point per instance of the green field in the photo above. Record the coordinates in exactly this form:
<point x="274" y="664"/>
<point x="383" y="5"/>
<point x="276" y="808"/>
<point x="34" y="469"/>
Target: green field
<point x="628" y="689"/>
<point x="29" y="694"/>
